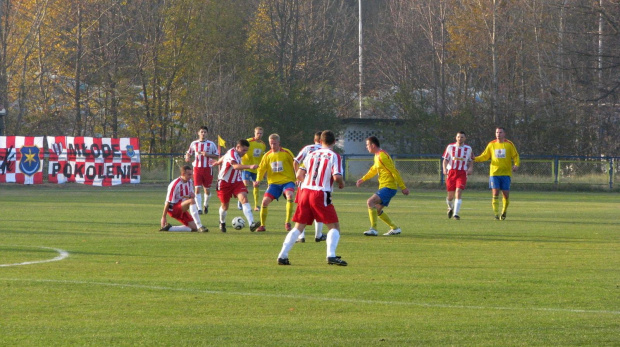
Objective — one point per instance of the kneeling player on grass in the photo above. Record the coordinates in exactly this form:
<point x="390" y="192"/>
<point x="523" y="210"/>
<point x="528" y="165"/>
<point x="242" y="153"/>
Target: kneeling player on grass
<point x="229" y="184"/>
<point x="180" y="204"/>
<point x="321" y="169"/>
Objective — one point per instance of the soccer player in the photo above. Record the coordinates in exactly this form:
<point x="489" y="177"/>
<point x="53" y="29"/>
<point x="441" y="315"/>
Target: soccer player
<point x="321" y="169"/>
<point x="204" y="152"/>
<point x="229" y="183"/>
<point x="299" y="159"/>
<point x="504" y="159"/>
<point x="457" y="160"/>
<point x="277" y="164"/>
<point x="180" y="204"/>
<point x="389" y="181"/>
<point x="253" y="157"/>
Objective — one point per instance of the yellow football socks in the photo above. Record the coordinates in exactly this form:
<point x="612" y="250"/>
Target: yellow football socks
<point x="255" y="192"/>
<point x="372" y="213"/>
<point x="263" y="215"/>
<point x="506" y="202"/>
<point x="289" y="210"/>
<point x="495" y="203"/>
<point x="384" y="217"/>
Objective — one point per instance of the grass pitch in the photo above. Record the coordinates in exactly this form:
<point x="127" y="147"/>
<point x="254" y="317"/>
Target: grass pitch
<point x="548" y="275"/>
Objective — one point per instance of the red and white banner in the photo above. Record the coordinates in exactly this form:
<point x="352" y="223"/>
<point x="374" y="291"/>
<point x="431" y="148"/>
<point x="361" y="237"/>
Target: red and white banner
<point x="21" y="159"/>
<point x="93" y="160"/>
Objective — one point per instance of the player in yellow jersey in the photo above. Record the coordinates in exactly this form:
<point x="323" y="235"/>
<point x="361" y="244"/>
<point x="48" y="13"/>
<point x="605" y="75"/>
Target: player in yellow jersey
<point x="504" y="159"/>
<point x="253" y="157"/>
<point x="277" y="164"/>
<point x="389" y="181"/>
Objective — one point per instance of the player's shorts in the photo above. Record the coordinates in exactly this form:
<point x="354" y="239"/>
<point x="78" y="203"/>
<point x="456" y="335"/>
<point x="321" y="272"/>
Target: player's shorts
<point x="177" y="213"/>
<point x="386" y="194"/>
<point x="456" y="179"/>
<point x="248" y="176"/>
<point x="225" y="190"/>
<point x="315" y="205"/>
<point x="274" y="191"/>
<point x="203" y="176"/>
<point x="499" y="182"/>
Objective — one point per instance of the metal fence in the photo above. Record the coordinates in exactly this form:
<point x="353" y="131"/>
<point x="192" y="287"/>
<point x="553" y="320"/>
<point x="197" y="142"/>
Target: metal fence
<point x="426" y="169"/>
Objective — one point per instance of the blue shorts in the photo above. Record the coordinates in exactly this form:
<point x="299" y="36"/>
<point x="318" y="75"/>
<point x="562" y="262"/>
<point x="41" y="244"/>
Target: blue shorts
<point x="386" y="194"/>
<point x="499" y="182"/>
<point x="248" y="176"/>
<point x="274" y="191"/>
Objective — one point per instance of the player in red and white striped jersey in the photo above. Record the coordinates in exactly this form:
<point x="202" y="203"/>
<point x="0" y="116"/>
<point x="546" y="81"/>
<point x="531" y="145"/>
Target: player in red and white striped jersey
<point x="204" y="152"/>
<point x="180" y="204"/>
<point x="299" y="159"/>
<point x="230" y="183"/>
<point x="322" y="168"/>
<point x="457" y="160"/>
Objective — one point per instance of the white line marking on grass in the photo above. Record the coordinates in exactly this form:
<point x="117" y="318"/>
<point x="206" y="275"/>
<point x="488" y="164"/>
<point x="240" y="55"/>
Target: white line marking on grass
<point x="62" y="254"/>
<point x="316" y="298"/>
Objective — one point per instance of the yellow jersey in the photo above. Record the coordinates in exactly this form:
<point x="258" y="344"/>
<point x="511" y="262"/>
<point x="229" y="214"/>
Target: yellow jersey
<point x="502" y="156"/>
<point x="278" y="166"/>
<point x="389" y="177"/>
<point x="255" y="153"/>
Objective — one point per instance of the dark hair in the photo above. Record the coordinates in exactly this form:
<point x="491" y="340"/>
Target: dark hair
<point x="205" y="128"/>
<point x="500" y="128"/>
<point x="461" y="132"/>
<point x="328" y="137"/>
<point x="374" y="140"/>
<point x="185" y="168"/>
<point x="243" y="143"/>
<point x="317" y="136"/>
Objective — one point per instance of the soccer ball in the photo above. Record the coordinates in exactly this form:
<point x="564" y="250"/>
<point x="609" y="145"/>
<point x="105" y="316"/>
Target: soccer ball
<point x="238" y="223"/>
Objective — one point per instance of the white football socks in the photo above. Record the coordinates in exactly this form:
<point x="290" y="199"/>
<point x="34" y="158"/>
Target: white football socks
<point x="193" y="210"/>
<point x="289" y="242"/>
<point x="247" y="212"/>
<point x="332" y="242"/>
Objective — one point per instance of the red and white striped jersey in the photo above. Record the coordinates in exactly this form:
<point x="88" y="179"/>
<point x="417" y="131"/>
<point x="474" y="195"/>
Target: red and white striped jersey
<point x="321" y="165"/>
<point x="202" y="146"/>
<point x="458" y="157"/>
<point x="179" y="190"/>
<point x="227" y="172"/>
<point x="305" y="151"/>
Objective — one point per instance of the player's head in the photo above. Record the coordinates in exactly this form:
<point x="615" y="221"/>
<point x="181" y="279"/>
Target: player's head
<point x="328" y="138"/>
<point x="202" y="132"/>
<point x="274" y="142"/>
<point x="372" y="144"/>
<point x="460" y="137"/>
<point x="242" y="147"/>
<point x="500" y="133"/>
<point x="317" y="137"/>
<point x="258" y="133"/>
<point x="186" y="172"/>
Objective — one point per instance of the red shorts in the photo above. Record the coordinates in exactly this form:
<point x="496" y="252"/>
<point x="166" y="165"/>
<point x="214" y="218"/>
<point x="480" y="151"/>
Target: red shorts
<point x="315" y="205"/>
<point x="225" y="190"/>
<point x="456" y="179"/>
<point x="203" y="176"/>
<point x="180" y="215"/>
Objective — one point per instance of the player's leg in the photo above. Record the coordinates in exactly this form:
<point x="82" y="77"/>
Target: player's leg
<point x="205" y="205"/>
<point x="190" y="205"/>
<point x="198" y="176"/>
<point x="494" y="186"/>
<point x="372" y="204"/>
<point x="450" y="188"/>
<point x="333" y="237"/>
<point x="289" y="194"/>
<point x="289" y="242"/>
<point x="256" y="195"/>
<point x="223" y="194"/>
<point x="505" y="194"/>
<point x="457" y="202"/>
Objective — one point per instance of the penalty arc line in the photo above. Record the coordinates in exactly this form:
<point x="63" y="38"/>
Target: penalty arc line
<point x="62" y="254"/>
<point x="307" y="297"/>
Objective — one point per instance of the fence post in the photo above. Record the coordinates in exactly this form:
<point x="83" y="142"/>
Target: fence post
<point x="611" y="173"/>
<point x="441" y="177"/>
<point x="170" y="168"/>
<point x="556" y="170"/>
